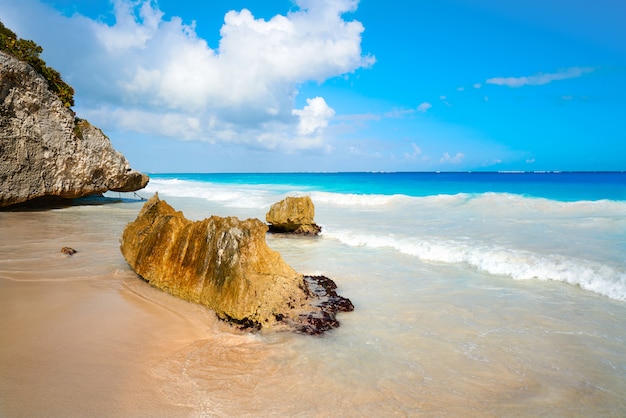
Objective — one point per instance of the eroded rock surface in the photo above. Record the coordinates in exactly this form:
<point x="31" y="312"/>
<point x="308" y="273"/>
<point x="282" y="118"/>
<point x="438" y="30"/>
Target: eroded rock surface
<point x="225" y="264"/>
<point x="293" y="215"/>
<point x="45" y="151"/>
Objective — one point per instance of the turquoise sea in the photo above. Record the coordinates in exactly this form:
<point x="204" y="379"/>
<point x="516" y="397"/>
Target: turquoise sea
<point x="476" y="294"/>
<point x="568" y="186"/>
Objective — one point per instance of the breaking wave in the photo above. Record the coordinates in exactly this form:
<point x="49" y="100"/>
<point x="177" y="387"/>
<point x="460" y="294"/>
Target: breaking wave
<point x="517" y="264"/>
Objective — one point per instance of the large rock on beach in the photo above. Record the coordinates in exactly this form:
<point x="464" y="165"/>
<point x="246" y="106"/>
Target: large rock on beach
<point x="293" y="215"/>
<point x="46" y="153"/>
<point x="226" y="265"/>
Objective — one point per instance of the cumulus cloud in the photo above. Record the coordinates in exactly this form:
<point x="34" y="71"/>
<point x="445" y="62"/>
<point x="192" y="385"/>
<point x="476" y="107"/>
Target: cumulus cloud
<point x="314" y="116"/>
<point x="154" y="75"/>
<point x="127" y="33"/>
<point x="541" y="78"/>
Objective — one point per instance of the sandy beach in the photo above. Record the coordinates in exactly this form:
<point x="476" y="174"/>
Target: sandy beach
<point x="85" y="336"/>
<point x="81" y="334"/>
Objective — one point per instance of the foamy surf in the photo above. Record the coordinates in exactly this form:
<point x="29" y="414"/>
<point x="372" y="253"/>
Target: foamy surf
<point x="513" y="263"/>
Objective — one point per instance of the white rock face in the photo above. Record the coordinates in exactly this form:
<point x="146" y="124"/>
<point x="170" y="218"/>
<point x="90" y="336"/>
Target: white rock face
<point x="45" y="151"/>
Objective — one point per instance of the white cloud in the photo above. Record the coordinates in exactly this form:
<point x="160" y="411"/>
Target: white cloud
<point x="399" y="113"/>
<point x="477" y="85"/>
<point x="314" y="116"/>
<point x="423" y="107"/>
<point x="156" y="76"/>
<point x="447" y="158"/>
<point x="541" y="78"/>
<point x="415" y="152"/>
<point x="128" y="33"/>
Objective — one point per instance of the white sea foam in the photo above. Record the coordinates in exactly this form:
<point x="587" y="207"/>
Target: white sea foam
<point x="493" y="204"/>
<point x="351" y="199"/>
<point x="512" y="203"/>
<point x="239" y="196"/>
<point x="515" y="263"/>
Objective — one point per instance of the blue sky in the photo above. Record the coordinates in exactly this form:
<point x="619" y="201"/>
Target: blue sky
<point x="343" y="85"/>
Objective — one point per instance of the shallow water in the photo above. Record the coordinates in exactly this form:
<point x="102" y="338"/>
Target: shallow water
<point x="447" y="319"/>
<point x="77" y="339"/>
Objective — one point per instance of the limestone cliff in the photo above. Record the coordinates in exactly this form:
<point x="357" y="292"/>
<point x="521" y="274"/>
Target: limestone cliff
<point x="293" y="215"/>
<point x="45" y="151"/>
<point x="225" y="264"/>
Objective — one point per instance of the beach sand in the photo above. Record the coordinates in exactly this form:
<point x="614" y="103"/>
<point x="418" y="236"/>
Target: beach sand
<point x="81" y="334"/>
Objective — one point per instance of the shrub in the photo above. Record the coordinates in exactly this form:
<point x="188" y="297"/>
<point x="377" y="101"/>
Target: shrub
<point x="28" y="51"/>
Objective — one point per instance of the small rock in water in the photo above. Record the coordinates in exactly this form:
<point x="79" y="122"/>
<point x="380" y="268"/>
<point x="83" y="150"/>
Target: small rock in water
<point x="322" y="292"/>
<point x="293" y="215"/>
<point x="68" y="251"/>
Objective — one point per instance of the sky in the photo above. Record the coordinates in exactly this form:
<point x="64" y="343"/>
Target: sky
<point x="343" y="85"/>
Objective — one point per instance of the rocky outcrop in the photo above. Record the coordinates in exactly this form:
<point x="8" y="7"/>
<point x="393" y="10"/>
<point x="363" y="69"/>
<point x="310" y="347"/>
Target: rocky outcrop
<point x="225" y="264"/>
<point x="45" y="151"/>
<point x="293" y="215"/>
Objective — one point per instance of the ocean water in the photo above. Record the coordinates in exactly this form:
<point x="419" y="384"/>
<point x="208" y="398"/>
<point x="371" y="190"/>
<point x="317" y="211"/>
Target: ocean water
<point x="476" y="294"/>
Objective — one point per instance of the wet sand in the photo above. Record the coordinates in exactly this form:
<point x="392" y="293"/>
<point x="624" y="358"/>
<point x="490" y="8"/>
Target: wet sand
<point x="81" y="334"/>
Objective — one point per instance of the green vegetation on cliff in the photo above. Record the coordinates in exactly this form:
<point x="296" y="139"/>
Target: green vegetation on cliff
<point x="29" y="51"/>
